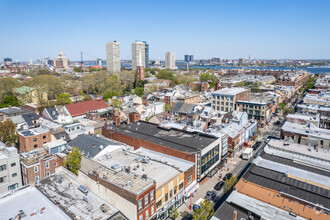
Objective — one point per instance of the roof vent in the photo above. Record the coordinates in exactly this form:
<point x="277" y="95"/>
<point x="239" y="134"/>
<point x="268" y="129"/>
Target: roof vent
<point x="128" y="183"/>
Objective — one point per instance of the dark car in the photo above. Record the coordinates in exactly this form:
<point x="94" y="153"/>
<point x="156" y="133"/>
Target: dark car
<point x="210" y="195"/>
<point x="219" y="185"/>
<point x="257" y="144"/>
<point x="227" y="176"/>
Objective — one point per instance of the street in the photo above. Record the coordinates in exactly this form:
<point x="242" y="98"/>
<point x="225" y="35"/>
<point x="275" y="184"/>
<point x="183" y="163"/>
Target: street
<point x="236" y="165"/>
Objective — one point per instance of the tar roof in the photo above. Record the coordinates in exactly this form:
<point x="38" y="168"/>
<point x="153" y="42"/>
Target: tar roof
<point x="226" y="211"/>
<point x="91" y="145"/>
<point x="30" y="117"/>
<point x="282" y="183"/>
<point x="277" y="199"/>
<point x="172" y="138"/>
<point x="32" y="202"/>
<point x="53" y="113"/>
<point x="33" y="131"/>
<point x="62" y="190"/>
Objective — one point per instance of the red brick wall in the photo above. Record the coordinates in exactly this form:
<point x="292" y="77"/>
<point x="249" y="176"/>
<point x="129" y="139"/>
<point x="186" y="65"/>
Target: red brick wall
<point x="129" y="196"/>
<point x="189" y="172"/>
<point x="137" y="143"/>
<point x="27" y="144"/>
<point x="30" y="175"/>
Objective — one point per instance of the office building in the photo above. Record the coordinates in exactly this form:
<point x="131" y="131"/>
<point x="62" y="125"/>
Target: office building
<point x="138" y="54"/>
<point x="99" y="62"/>
<point x="188" y="58"/>
<point x="10" y="172"/>
<point x="113" y="57"/>
<point x="225" y="99"/>
<point x="170" y="61"/>
<point x="147" y="53"/>
<point x="61" y="62"/>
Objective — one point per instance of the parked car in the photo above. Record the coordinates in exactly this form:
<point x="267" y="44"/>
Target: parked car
<point x="257" y="144"/>
<point x="227" y="176"/>
<point x="219" y="185"/>
<point x="267" y="140"/>
<point x="210" y="195"/>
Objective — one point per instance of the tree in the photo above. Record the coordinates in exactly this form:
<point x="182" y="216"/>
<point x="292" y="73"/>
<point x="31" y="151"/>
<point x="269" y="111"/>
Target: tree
<point x="7" y="84"/>
<point x="165" y="74"/>
<point x="229" y="183"/>
<point x="8" y="132"/>
<point x="116" y="103"/>
<point x="139" y="91"/>
<point x="288" y="110"/>
<point x="109" y="95"/>
<point x="77" y="69"/>
<point x="63" y="99"/>
<point x="73" y="161"/>
<point x="205" y="211"/>
<point x="206" y="77"/>
<point x="174" y="214"/>
<point x="167" y="107"/>
<point x="10" y="101"/>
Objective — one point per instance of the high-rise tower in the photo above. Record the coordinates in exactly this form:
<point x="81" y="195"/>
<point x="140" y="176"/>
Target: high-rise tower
<point x="113" y="57"/>
<point x="138" y="53"/>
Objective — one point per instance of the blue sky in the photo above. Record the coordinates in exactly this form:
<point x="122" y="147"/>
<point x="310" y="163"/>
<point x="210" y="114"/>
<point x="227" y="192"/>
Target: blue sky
<point x="279" y="29"/>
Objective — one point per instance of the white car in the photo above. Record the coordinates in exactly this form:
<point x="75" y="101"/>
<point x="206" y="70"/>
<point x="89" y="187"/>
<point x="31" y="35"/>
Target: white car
<point x="267" y="140"/>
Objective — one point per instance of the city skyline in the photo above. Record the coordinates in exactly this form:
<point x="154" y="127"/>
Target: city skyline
<point x="229" y="30"/>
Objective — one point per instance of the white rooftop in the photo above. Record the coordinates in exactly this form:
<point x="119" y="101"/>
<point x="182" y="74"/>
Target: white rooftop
<point x="229" y="91"/>
<point x="306" y="130"/>
<point x="62" y="189"/>
<point x="31" y="201"/>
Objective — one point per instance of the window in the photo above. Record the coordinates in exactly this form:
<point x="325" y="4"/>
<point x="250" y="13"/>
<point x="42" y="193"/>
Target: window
<point x="48" y="173"/>
<point x="166" y="197"/>
<point x="36" y="169"/>
<point x="14" y="175"/>
<point x="321" y="142"/>
<point x="146" y="200"/>
<point x="180" y="186"/>
<point x="13" y="164"/>
<point x="55" y="164"/>
<point x="15" y="186"/>
<point x="37" y="178"/>
<point x="152" y="210"/>
<point x="3" y="167"/>
<point x="2" y="179"/>
<point x="34" y="139"/>
<point x="141" y="217"/>
<point x="140" y="204"/>
<point x="159" y="204"/>
<point x="175" y="187"/>
<point x="47" y="164"/>
<point x="151" y="195"/>
<point x="147" y="214"/>
<point x="171" y="193"/>
<point x="44" y="137"/>
<point x="189" y="179"/>
<point x="35" y="146"/>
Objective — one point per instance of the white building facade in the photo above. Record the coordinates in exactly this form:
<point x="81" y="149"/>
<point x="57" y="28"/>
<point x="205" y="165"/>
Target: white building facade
<point x="138" y="54"/>
<point x="113" y="57"/>
<point x="170" y="61"/>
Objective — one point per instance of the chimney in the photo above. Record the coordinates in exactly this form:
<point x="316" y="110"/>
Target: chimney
<point x="116" y="119"/>
<point x="134" y="116"/>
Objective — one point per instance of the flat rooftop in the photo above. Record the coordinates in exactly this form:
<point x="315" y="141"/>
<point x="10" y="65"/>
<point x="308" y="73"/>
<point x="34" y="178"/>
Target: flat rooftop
<point x="141" y="164"/>
<point x="63" y="190"/>
<point x="171" y="138"/>
<point x="229" y="91"/>
<point x="130" y="182"/>
<point x="300" y="189"/>
<point x="306" y="130"/>
<point x="33" y="203"/>
<point x="33" y="131"/>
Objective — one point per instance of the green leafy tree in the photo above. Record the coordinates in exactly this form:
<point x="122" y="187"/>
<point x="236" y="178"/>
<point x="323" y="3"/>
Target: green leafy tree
<point x="165" y="74"/>
<point x="229" y="183"/>
<point x="116" y="103"/>
<point x="109" y="95"/>
<point x="205" y="212"/>
<point x="8" y="132"/>
<point x="206" y="77"/>
<point x="139" y="91"/>
<point x="7" y="84"/>
<point x="63" y="99"/>
<point x="10" y="101"/>
<point x="73" y="161"/>
<point x="174" y="214"/>
<point x="77" y="69"/>
<point x="167" y="107"/>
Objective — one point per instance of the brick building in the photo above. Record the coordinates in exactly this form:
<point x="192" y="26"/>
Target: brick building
<point x="38" y="164"/>
<point x="275" y="73"/>
<point x="294" y="79"/>
<point x="32" y="139"/>
<point x="225" y="99"/>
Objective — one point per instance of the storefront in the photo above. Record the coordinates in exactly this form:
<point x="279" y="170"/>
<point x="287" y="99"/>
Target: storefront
<point x="171" y="206"/>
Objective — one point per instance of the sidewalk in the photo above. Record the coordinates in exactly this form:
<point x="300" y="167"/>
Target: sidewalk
<point x="208" y="183"/>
